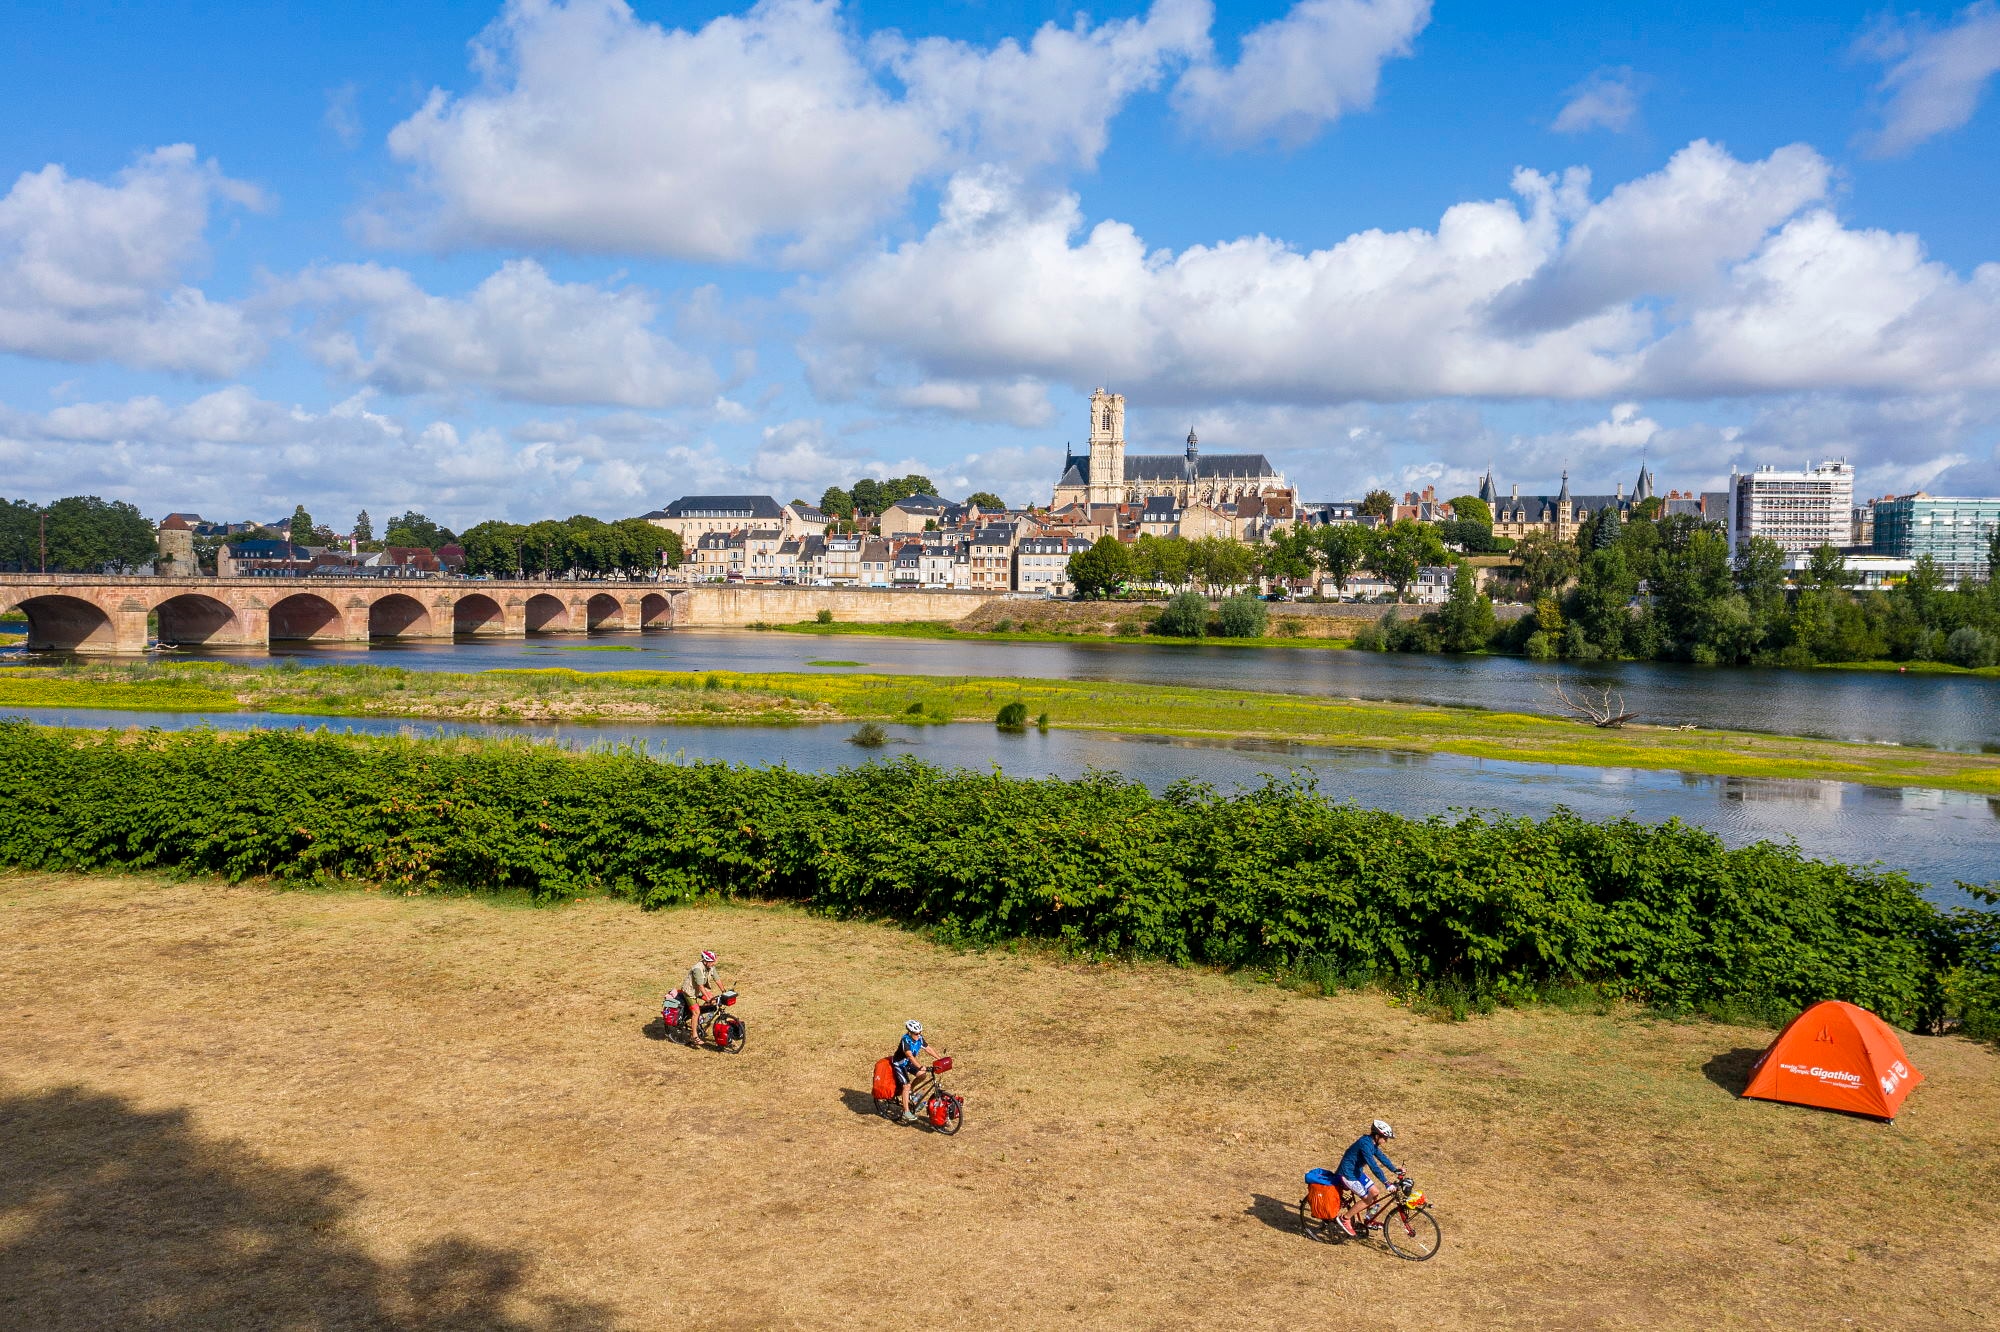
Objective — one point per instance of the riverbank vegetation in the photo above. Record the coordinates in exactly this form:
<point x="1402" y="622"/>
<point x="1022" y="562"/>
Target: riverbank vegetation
<point x="1277" y="877"/>
<point x="1699" y="605"/>
<point x="458" y="1123"/>
<point x="790" y="698"/>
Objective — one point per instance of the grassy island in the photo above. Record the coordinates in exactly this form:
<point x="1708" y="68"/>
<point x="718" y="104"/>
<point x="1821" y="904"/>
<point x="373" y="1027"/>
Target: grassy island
<point x="741" y="698"/>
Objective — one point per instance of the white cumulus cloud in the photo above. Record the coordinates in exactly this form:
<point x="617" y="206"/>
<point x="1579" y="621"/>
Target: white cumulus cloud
<point x="1935" y="76"/>
<point x="518" y="335"/>
<point x="1709" y="276"/>
<point x="94" y="271"/>
<point x="595" y="130"/>
<point x="1299" y="73"/>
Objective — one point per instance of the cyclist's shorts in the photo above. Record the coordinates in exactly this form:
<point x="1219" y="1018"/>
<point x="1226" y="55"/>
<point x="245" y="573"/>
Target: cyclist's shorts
<point x="1361" y="1188"/>
<point x="905" y="1070"/>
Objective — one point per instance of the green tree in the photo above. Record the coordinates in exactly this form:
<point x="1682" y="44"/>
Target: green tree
<point x="1378" y="503"/>
<point x="1102" y="569"/>
<point x="836" y="503"/>
<point x="89" y="535"/>
<point x="20" y="535"/>
<point x="986" y="501"/>
<point x="1466" y="622"/>
<point x="1242" y="616"/>
<point x="640" y="548"/>
<point x="364" y="530"/>
<point x="1607" y="531"/>
<point x="1693" y="590"/>
<point x="1290" y="556"/>
<point x="1343" y="548"/>
<point x="301" y="526"/>
<point x="1186" y="616"/>
<point x="1399" y="550"/>
<point x="413" y="529"/>
<point x="1826" y="570"/>
<point x="1545" y="561"/>
<point x="1219" y="562"/>
<point x="1601" y="606"/>
<point x="1471" y="508"/>
<point x="493" y="549"/>
<point x="867" y="496"/>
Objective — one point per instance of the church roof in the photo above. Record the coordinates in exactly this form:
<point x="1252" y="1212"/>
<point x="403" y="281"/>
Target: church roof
<point x="1179" y="467"/>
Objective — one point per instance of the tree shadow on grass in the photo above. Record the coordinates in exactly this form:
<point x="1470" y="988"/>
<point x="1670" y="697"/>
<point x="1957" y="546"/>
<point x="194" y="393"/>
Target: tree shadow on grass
<point x="111" y="1216"/>
<point x="1731" y="1070"/>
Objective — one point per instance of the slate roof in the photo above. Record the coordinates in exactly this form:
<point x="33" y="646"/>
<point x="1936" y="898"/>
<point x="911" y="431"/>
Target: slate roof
<point x="722" y="506"/>
<point x="1176" y="467"/>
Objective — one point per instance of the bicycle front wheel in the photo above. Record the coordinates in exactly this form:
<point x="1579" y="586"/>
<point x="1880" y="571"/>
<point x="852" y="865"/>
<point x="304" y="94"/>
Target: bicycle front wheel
<point x="1412" y="1234"/>
<point x="730" y="1034"/>
<point x="954" y="1118"/>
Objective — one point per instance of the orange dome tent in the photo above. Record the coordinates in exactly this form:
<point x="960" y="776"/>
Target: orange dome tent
<point x="1839" y="1057"/>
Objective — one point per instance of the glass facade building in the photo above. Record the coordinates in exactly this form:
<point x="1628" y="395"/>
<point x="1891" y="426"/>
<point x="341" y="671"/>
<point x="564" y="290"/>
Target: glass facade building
<point x="1954" y="532"/>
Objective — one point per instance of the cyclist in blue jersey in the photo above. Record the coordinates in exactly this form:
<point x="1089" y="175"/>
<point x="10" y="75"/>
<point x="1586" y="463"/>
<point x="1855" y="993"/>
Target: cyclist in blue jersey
<point x="904" y="1061"/>
<point x="1365" y="1155"/>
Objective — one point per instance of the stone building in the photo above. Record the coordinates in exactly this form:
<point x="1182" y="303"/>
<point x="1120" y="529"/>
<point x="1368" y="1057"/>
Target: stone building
<point x="1106" y="474"/>
<point x="1561" y="514"/>
<point x="176" y="538"/>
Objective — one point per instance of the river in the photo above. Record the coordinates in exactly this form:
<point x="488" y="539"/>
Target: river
<point x="1936" y="837"/>
<point x="1956" y="712"/>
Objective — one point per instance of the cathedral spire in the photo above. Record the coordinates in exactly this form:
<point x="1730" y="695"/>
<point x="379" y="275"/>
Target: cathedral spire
<point x="1487" y="490"/>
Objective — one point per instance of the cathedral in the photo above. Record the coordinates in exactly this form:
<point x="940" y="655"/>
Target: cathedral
<point x="1108" y="475"/>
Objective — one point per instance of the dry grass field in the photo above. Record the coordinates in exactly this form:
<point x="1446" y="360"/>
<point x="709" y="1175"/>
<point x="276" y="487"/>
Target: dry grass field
<point x="228" y="1107"/>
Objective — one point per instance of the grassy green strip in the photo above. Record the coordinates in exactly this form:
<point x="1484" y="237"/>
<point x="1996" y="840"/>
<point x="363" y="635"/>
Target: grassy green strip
<point x="1275" y="877"/>
<point x="938" y="629"/>
<point x="788" y="698"/>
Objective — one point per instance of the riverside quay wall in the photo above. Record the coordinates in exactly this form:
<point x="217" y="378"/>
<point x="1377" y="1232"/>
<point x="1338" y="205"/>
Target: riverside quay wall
<point x="103" y="615"/>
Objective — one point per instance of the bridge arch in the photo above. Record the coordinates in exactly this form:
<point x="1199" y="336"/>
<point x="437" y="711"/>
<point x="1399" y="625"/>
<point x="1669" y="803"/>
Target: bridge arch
<point x="307" y="615"/>
<point x="547" y="614"/>
<point x="195" y="617"/>
<point x="477" y="613"/>
<point x="604" y="611"/>
<point x="398" y="615"/>
<point x="655" y="611"/>
<point x="69" y="624"/>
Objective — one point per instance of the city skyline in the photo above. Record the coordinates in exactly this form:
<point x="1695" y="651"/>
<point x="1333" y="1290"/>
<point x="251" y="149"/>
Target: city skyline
<point x="560" y="258"/>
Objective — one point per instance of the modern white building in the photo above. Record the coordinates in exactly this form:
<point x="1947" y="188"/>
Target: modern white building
<point x="1801" y="510"/>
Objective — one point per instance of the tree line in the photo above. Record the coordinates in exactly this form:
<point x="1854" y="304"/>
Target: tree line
<point x="1394" y="553"/>
<point x="1665" y="587"/>
<point x="576" y="547"/>
<point x="77" y="534"/>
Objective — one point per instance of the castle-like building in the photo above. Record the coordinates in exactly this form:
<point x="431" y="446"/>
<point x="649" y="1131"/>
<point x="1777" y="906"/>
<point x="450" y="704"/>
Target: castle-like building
<point x="1108" y="475"/>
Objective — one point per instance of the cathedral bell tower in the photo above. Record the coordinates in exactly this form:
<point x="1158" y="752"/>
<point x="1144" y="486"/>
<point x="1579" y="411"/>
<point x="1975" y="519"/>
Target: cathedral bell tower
<point x="1107" y="447"/>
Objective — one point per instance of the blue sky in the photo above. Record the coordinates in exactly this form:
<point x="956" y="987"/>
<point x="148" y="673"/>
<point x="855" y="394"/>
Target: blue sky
<point x="549" y="258"/>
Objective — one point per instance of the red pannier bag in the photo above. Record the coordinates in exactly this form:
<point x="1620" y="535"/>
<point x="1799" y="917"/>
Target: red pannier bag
<point x="940" y="1112"/>
<point x="1322" y="1194"/>
<point x="885" y="1080"/>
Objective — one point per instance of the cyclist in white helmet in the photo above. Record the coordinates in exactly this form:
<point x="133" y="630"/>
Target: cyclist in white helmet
<point x="1365" y="1155"/>
<point x="701" y="979"/>
<point x="904" y="1061"/>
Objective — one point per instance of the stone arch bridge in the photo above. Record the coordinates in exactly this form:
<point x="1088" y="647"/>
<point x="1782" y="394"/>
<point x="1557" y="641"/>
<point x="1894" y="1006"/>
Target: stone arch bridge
<point x="101" y="614"/>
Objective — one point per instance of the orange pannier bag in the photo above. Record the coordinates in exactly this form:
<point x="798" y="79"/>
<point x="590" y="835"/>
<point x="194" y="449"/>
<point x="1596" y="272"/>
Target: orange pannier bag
<point x="885" y="1080"/>
<point x="1322" y="1194"/>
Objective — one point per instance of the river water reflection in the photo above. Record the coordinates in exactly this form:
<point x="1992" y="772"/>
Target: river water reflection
<point x="1934" y="711"/>
<point x="1936" y="837"/>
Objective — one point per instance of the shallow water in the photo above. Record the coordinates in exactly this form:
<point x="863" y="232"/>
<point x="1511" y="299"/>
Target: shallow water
<point x="1934" y="711"/>
<point x="1936" y="837"/>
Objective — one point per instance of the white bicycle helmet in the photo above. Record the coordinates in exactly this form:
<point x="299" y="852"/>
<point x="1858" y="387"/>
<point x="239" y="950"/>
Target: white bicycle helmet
<point x="708" y="957"/>
<point x="914" y="1027"/>
<point x="1381" y="1126"/>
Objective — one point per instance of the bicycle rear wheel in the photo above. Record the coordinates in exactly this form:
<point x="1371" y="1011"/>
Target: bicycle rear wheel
<point x="1411" y="1233"/>
<point x="1313" y="1227"/>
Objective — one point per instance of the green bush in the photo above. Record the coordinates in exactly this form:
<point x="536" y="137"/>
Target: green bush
<point x="1970" y="647"/>
<point x="825" y="616"/>
<point x="1272" y="877"/>
<point x="1012" y="717"/>
<point x="1242" y="616"/>
<point x="1186" y="616"/>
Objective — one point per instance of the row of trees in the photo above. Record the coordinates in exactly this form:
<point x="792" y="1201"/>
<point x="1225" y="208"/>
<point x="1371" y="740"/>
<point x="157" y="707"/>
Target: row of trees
<point x="575" y="547"/>
<point x="1393" y="553"/>
<point x="79" y="534"/>
<point x="1667" y="588"/>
